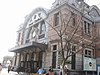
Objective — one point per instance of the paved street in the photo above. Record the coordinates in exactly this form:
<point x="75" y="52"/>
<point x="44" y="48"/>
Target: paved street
<point x="5" y="72"/>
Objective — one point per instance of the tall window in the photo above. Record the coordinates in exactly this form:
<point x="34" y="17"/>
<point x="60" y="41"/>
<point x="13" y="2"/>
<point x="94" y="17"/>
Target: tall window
<point x="19" y="35"/>
<point x="54" y="54"/>
<point x="26" y="57"/>
<point x="56" y="19"/>
<point x="73" y="19"/>
<point x="32" y="56"/>
<point x="42" y="27"/>
<point x="73" y="56"/>
<point x="87" y="27"/>
<point x="33" y="34"/>
<point x="28" y="34"/>
<point x="40" y="59"/>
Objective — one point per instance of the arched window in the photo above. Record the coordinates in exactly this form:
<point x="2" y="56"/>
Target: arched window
<point x="42" y="27"/>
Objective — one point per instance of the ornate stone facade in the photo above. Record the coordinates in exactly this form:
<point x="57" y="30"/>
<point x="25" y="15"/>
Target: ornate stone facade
<point x="38" y="43"/>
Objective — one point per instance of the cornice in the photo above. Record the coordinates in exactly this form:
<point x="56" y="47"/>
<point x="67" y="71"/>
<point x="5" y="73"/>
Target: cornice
<point x="74" y="8"/>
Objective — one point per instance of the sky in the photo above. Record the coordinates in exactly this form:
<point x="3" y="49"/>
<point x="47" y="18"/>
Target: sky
<point x="12" y="14"/>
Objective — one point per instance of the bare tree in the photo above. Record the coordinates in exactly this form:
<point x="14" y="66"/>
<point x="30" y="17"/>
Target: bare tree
<point x="68" y="35"/>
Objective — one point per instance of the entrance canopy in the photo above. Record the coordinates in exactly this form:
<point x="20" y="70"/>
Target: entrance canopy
<point x="28" y="46"/>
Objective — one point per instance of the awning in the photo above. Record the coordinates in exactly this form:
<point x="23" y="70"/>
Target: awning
<point x="28" y="46"/>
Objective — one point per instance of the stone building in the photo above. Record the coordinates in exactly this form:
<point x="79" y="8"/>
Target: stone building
<point x="38" y="43"/>
<point x="32" y="40"/>
<point x="88" y="33"/>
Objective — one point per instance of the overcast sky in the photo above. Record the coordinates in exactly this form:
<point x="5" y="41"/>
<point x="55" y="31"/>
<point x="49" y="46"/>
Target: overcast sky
<point x="12" y="13"/>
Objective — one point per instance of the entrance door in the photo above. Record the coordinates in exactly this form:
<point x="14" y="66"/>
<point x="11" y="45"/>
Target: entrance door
<point x="34" y="66"/>
<point x="40" y="59"/>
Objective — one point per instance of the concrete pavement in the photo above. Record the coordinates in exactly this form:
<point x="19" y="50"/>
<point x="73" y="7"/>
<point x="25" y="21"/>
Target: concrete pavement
<point x="5" y="72"/>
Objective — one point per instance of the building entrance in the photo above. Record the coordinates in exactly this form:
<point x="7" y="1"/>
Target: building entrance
<point x="29" y="66"/>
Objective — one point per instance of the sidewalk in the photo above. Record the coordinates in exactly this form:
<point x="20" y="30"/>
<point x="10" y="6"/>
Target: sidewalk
<point x="22" y="74"/>
<point x="15" y="73"/>
<point x="5" y="72"/>
<point x="30" y="74"/>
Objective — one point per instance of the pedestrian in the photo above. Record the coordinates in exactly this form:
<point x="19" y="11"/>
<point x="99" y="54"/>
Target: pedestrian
<point x="44" y="71"/>
<point x="0" y="67"/>
<point x="66" y="69"/>
<point x="9" y="68"/>
<point x="40" y="71"/>
<point x="50" y="71"/>
<point x="51" y="68"/>
<point x="60" y="73"/>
